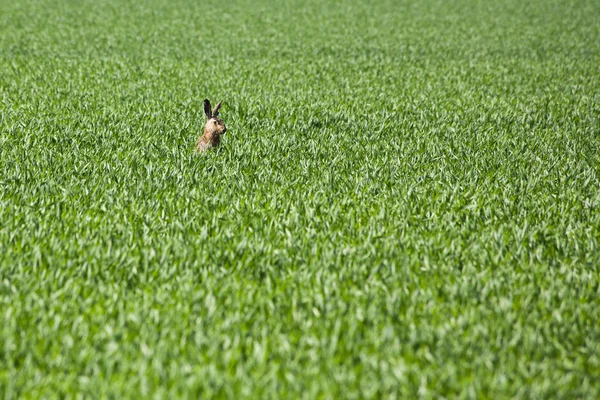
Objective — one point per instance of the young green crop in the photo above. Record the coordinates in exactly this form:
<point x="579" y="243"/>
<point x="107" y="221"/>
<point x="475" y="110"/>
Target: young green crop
<point x="405" y="203"/>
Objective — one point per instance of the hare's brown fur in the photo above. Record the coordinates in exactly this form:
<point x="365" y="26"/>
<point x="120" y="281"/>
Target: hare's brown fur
<point x="213" y="129"/>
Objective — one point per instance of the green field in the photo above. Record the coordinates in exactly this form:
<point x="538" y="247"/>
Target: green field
<point x="406" y="203"/>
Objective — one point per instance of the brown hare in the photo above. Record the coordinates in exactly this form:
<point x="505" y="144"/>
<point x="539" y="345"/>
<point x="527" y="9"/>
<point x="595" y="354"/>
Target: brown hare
<point x="213" y="129"/>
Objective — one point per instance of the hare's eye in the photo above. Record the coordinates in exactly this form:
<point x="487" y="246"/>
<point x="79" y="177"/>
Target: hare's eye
<point x="215" y="122"/>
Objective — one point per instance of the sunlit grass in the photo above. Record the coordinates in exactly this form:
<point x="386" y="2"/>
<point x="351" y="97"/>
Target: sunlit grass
<point x="405" y="202"/>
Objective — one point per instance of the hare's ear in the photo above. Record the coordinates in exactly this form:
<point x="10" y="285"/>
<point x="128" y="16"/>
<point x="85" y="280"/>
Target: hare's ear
<point x="207" y="109"/>
<point x="215" y="112"/>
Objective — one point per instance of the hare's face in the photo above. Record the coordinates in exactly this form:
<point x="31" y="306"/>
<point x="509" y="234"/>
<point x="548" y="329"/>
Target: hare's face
<point x="216" y="125"/>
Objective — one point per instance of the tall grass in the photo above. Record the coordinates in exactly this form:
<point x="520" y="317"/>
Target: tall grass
<point x="405" y="203"/>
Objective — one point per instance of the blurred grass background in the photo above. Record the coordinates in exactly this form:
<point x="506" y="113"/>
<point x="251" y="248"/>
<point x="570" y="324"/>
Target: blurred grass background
<point x="405" y="203"/>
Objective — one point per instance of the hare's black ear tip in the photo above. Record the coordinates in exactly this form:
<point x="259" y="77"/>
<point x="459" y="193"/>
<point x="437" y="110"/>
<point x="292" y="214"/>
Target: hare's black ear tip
<point x="207" y="109"/>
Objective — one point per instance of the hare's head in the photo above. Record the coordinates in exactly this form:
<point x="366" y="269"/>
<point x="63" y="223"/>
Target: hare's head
<point x="214" y="124"/>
